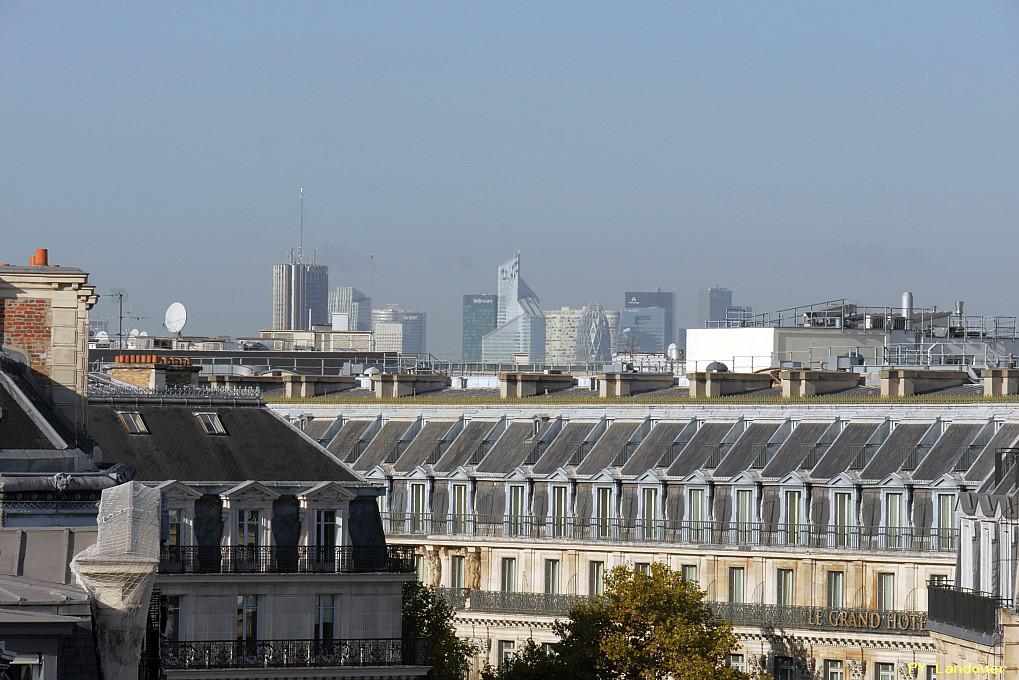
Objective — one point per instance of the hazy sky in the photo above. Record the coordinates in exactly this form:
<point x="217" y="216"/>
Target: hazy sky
<point x="792" y="151"/>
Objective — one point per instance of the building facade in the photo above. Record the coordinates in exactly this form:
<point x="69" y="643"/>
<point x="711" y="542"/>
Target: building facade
<point x="561" y="330"/>
<point x="815" y="529"/>
<point x="398" y="330"/>
<point x="636" y="301"/>
<point x="520" y="334"/>
<point x="480" y="315"/>
<point x="355" y="304"/>
<point x="712" y="304"/>
<point x="642" y="330"/>
<point x="300" y="296"/>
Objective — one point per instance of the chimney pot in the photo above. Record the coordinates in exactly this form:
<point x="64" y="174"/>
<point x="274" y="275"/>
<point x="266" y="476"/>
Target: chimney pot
<point x="41" y="257"/>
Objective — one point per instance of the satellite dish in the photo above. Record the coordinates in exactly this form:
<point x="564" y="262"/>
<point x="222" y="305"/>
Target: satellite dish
<point x="134" y="333"/>
<point x="143" y="334"/>
<point x="102" y="335"/>
<point x="176" y="317"/>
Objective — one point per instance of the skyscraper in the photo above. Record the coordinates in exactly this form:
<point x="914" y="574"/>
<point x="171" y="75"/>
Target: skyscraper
<point x="594" y="341"/>
<point x="642" y="329"/>
<point x="561" y="329"/>
<point x="520" y="332"/>
<point x="713" y="303"/>
<point x="665" y="330"/>
<point x="479" y="318"/>
<point x="398" y="330"/>
<point x="355" y="304"/>
<point x="300" y="295"/>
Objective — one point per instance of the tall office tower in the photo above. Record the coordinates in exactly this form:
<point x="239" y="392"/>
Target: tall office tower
<point x="300" y="294"/>
<point x="355" y="304"/>
<point x="397" y="330"/>
<point x="594" y="342"/>
<point x="642" y="330"/>
<point x="520" y="330"/>
<point x="613" y="318"/>
<point x="561" y="328"/>
<point x="656" y="300"/>
<point x="479" y="318"/>
<point x="713" y="303"/>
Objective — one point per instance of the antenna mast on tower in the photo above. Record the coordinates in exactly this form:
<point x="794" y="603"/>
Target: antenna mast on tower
<point x="300" y="248"/>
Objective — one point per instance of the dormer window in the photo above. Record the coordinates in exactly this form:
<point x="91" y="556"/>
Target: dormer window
<point x="211" y="423"/>
<point x="133" y="422"/>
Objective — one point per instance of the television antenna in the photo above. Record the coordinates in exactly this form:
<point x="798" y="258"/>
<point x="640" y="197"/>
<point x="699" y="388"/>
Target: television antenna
<point x="175" y="319"/>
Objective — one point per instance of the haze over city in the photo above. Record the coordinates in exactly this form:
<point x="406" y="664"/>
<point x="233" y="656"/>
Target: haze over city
<point x="863" y="149"/>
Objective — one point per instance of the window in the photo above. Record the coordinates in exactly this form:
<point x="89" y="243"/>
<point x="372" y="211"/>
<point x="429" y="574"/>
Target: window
<point x="516" y="509"/>
<point x="697" y="515"/>
<point x="939" y="578"/>
<point x="946" y="521"/>
<point x="884" y="671"/>
<point x="171" y="618"/>
<point x="596" y="578"/>
<point x="247" y="618"/>
<point x="843" y="519"/>
<point x="559" y="502"/>
<point x="833" y="670"/>
<point x="211" y="423"/>
<point x="886" y="591"/>
<point x="836" y="590"/>
<point x="604" y="512"/>
<point x="642" y="567"/>
<point x="325" y="530"/>
<point x="736" y="662"/>
<point x="248" y="529"/>
<point x="456" y="571"/>
<point x="506" y="650"/>
<point x="509" y="574"/>
<point x="893" y="520"/>
<point x="649" y="512"/>
<point x="930" y="672"/>
<point x="551" y="577"/>
<point x="744" y="515"/>
<point x="690" y="572"/>
<point x="785" y="669"/>
<point x="736" y="584"/>
<point x="133" y="422"/>
<point x="792" y="517"/>
<point x="325" y="619"/>
<point x="459" y="508"/>
<point x="175" y="524"/>
<point x="417" y="507"/>
<point x="784" y="588"/>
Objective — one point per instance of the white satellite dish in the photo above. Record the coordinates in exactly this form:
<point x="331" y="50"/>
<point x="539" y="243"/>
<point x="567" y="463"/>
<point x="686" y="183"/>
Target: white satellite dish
<point x="176" y="317"/>
<point x="134" y="333"/>
<point x="102" y="335"/>
<point x="143" y="334"/>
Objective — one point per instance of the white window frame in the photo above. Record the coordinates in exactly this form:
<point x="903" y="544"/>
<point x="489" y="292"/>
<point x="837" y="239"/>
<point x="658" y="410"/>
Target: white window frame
<point x="890" y="538"/>
<point x="799" y="536"/>
<point x="559" y="530"/>
<point x="515" y="526"/>
<point x="744" y="535"/>
<point x="852" y="528"/>
<point x="605" y="526"/>
<point x="650" y="527"/>
<point x="701" y="531"/>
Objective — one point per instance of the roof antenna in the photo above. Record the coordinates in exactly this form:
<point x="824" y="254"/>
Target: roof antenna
<point x="300" y="249"/>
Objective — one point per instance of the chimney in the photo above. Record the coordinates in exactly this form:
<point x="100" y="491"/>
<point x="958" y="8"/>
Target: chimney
<point x="40" y="259"/>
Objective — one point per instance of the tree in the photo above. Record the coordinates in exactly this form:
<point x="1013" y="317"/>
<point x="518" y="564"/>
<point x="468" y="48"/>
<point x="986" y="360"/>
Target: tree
<point x="647" y="626"/>
<point x="427" y="615"/>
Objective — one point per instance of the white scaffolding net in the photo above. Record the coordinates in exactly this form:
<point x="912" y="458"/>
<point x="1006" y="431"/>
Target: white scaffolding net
<point x="118" y="572"/>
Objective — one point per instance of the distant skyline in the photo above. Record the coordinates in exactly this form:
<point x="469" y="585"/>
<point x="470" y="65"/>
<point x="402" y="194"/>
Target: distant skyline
<point x="791" y="151"/>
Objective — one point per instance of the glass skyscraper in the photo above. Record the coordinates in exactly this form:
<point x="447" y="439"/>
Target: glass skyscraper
<point x="520" y="332"/>
<point x="480" y="313"/>
<point x="650" y="331"/>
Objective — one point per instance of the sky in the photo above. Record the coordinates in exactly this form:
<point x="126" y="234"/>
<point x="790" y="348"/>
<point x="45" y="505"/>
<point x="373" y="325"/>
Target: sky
<point x="792" y="151"/>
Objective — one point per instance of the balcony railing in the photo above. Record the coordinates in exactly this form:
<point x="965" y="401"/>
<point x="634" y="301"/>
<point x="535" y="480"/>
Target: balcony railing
<point x="209" y="654"/>
<point x="962" y="608"/>
<point x="740" y="614"/>
<point x="285" y="559"/>
<point x="879" y="539"/>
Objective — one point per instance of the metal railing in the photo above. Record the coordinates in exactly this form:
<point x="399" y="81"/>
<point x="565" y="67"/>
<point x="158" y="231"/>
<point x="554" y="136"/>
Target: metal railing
<point x="898" y="622"/>
<point x="749" y="534"/>
<point x="963" y="608"/>
<point x="209" y="654"/>
<point x="192" y="559"/>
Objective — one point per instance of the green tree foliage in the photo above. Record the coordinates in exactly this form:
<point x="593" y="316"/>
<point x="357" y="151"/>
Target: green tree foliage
<point x="427" y="615"/>
<point x="648" y="626"/>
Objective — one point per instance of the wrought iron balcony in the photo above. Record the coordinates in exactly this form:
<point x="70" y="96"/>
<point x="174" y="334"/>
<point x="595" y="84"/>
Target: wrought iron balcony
<point x="302" y="559"/>
<point x="764" y="616"/>
<point x="210" y="654"/>
<point x="739" y="534"/>
<point x="966" y="613"/>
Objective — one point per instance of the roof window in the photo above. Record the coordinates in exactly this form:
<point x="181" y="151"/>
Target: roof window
<point x="133" y="422"/>
<point x="211" y="423"/>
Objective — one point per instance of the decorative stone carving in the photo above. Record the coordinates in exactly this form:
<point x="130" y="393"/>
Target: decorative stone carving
<point x="434" y="568"/>
<point x="856" y="669"/>
<point x="474" y="569"/>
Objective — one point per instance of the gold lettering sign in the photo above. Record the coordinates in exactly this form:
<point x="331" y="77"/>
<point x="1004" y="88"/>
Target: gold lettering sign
<point x="849" y="618"/>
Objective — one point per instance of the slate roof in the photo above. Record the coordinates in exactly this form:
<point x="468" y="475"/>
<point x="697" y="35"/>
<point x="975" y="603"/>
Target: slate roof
<point x="258" y="445"/>
<point x="17" y="431"/>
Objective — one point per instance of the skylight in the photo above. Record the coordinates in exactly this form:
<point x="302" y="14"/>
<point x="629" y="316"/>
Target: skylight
<point x="133" y="422"/>
<point x="211" y="423"/>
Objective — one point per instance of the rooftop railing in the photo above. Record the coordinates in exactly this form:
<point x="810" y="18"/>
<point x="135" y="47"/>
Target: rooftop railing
<point x="210" y="654"/>
<point x="962" y="608"/>
<point x="737" y="534"/>
<point x="898" y="622"/>
<point x="285" y="559"/>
